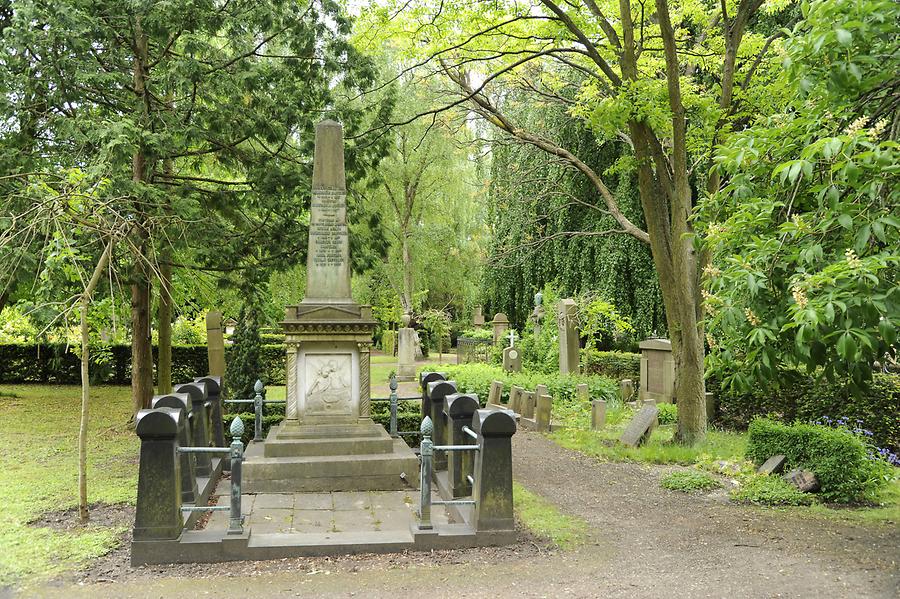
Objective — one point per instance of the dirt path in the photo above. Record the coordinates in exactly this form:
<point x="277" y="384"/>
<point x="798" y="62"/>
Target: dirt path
<point x="645" y="542"/>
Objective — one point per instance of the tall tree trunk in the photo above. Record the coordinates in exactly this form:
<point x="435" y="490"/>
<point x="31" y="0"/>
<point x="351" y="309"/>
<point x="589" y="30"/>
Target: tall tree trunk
<point x="164" y="350"/>
<point x="83" y="514"/>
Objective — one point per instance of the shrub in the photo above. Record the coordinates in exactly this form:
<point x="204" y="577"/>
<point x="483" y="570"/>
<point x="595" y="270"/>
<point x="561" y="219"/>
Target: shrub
<point x="807" y="399"/>
<point x="477" y="378"/>
<point x="388" y="341"/>
<point x="688" y="481"/>
<point x="841" y="461"/>
<point x="770" y="490"/>
<point x="614" y="364"/>
<point x="668" y="413"/>
<point x="245" y="366"/>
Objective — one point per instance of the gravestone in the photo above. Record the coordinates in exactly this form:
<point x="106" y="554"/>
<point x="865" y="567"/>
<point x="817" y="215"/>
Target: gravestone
<point x="773" y="465"/>
<point x="528" y="404"/>
<point x="582" y="392"/>
<point x="626" y="390"/>
<point x="568" y="337"/>
<point x="494" y="396"/>
<point x="515" y="399"/>
<point x="328" y="441"/>
<point x="512" y="359"/>
<point x="657" y="370"/>
<point x="804" y="480"/>
<point x="478" y="318"/>
<point x="598" y="414"/>
<point x="640" y="427"/>
<point x="543" y="413"/>
<point x="406" y="351"/>
<point x="500" y="324"/>
<point x="215" y="344"/>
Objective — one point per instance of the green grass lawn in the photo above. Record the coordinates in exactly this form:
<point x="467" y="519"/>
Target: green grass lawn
<point x="38" y="473"/>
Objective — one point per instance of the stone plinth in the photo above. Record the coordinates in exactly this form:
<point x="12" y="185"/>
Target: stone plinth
<point x="657" y="371"/>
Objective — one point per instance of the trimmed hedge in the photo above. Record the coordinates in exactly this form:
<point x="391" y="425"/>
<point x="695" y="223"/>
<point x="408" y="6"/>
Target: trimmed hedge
<point x="111" y="364"/>
<point x="614" y="364"/>
<point x="477" y="378"/>
<point x="805" y="399"/>
<point x="840" y="460"/>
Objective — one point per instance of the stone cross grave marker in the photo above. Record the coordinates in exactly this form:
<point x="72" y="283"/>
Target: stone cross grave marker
<point x="640" y="427"/>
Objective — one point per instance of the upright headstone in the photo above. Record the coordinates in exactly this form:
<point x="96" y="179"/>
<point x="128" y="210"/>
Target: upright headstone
<point x="640" y="427"/>
<point x="437" y="391"/>
<point x="582" y="392"/>
<point x="598" y="414"/>
<point x="528" y="404"/>
<point x="182" y="403"/>
<point x="568" y="337"/>
<point x="495" y="393"/>
<point x="500" y="324"/>
<point x="215" y="344"/>
<point x="328" y="336"/>
<point x="478" y="318"/>
<point x="515" y="399"/>
<point x="426" y="377"/>
<point x="657" y="370"/>
<point x="512" y="359"/>
<point x="406" y="351"/>
<point x="543" y="413"/>
<point x="458" y="410"/>
<point x="493" y="489"/>
<point x="626" y="390"/>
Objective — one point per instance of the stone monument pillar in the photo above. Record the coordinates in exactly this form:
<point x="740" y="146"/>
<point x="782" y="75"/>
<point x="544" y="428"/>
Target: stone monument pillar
<point x="215" y="344"/>
<point x="406" y="351"/>
<point x="500" y="324"/>
<point x="328" y="335"/>
<point x="568" y="337"/>
<point x="328" y="441"/>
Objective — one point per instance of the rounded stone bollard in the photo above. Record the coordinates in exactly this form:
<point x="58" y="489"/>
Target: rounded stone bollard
<point x="199" y="424"/>
<point x="493" y="470"/>
<point x="182" y="402"/>
<point x="437" y="391"/>
<point x="458" y="409"/>
<point x="158" y="508"/>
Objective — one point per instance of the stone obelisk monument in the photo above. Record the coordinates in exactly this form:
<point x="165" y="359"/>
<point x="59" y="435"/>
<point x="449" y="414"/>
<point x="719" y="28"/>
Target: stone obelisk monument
<point x="328" y="441"/>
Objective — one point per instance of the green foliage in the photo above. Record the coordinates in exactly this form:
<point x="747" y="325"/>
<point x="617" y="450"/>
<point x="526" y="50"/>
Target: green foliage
<point x="840" y="460"/>
<point x="478" y="334"/>
<point x="600" y="323"/>
<point x="477" y="378"/>
<point x="668" y="413"/>
<point x="615" y="365"/>
<point x="806" y="399"/>
<point x="437" y="324"/>
<point x="770" y="490"/>
<point x="543" y="519"/>
<point x="16" y="326"/>
<point x="804" y="236"/>
<point x="389" y="341"/>
<point x="245" y="366"/>
<point x="541" y="352"/>
<point x="688" y="481"/>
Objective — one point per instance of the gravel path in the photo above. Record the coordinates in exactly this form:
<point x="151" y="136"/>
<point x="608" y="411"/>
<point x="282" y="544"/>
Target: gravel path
<point x="644" y="542"/>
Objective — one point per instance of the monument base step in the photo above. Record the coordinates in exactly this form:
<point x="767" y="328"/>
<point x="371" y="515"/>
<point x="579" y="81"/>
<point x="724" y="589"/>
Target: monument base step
<point x="298" y="459"/>
<point x="297" y="440"/>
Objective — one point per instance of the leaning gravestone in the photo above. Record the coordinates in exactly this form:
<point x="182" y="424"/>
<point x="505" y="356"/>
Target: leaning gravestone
<point x="640" y="427"/>
<point x="773" y="465"/>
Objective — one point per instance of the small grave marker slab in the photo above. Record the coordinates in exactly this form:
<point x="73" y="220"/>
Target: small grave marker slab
<point x="640" y="426"/>
<point x="773" y="465"/>
<point x="804" y="480"/>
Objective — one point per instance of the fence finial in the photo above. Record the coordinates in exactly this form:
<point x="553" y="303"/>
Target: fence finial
<point x="258" y="386"/>
<point x="427" y="427"/>
<point x="237" y="428"/>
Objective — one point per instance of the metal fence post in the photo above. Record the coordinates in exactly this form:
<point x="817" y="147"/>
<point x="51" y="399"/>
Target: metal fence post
<point x="235" y="523"/>
<point x="427" y="452"/>
<point x="393" y="385"/>
<point x="257" y="408"/>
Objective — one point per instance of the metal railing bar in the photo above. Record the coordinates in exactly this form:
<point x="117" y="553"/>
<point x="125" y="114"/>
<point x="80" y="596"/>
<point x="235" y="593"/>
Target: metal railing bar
<point x="204" y="449"/>
<point x="206" y="508"/>
<point x="470" y="432"/>
<point x="453" y="502"/>
<point x="456" y="448"/>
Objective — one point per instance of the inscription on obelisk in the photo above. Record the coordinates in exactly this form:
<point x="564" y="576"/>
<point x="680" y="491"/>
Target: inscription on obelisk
<point x="328" y="260"/>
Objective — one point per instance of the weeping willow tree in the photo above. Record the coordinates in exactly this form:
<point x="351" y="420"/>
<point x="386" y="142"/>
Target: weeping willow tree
<point x="548" y="226"/>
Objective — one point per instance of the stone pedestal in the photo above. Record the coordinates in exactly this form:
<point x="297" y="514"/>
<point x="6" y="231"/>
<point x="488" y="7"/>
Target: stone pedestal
<point x="406" y="354"/>
<point x="657" y="371"/>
